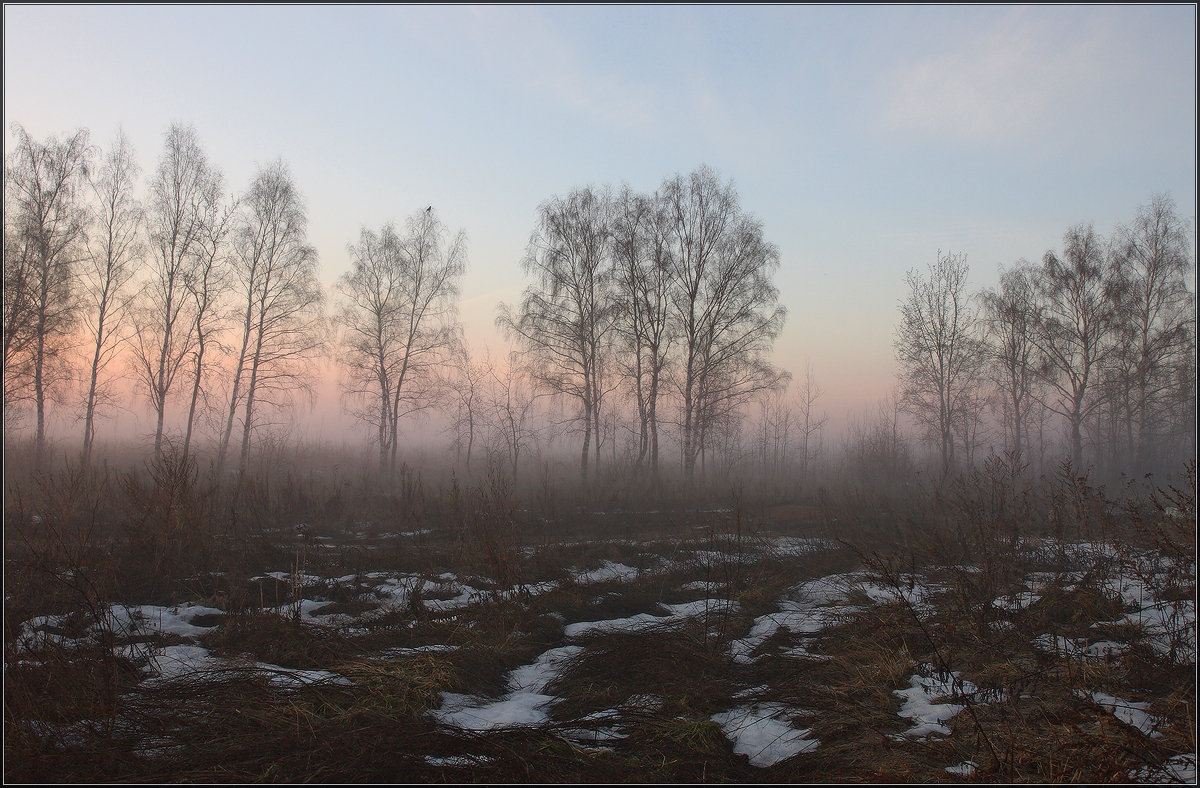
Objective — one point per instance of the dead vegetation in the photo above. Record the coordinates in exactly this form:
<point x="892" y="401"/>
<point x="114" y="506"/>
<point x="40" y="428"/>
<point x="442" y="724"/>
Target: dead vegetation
<point x="1059" y="615"/>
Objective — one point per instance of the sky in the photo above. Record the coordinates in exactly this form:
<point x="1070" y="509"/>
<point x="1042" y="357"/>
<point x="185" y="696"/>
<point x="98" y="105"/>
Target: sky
<point x="865" y="139"/>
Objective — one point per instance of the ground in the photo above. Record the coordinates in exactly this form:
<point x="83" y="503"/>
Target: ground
<point x="631" y="646"/>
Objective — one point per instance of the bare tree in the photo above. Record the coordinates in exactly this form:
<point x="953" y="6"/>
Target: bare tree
<point x="1152" y="266"/>
<point x="44" y="186"/>
<point x="432" y="264"/>
<point x="876" y="448"/>
<point x="1077" y="319"/>
<point x="938" y="351"/>
<point x="641" y="249"/>
<point x="399" y="315"/>
<point x="567" y="316"/>
<point x="280" y="304"/>
<point x="776" y="420"/>
<point x="724" y="304"/>
<point x="206" y="283"/>
<point x="809" y="423"/>
<point x="469" y="399"/>
<point x="512" y="400"/>
<point x="114" y="250"/>
<point x="368" y="316"/>
<point x="182" y="192"/>
<point x="19" y="314"/>
<point x="1010" y="316"/>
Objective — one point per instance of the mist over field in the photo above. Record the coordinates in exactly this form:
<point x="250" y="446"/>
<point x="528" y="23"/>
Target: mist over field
<point x="654" y="394"/>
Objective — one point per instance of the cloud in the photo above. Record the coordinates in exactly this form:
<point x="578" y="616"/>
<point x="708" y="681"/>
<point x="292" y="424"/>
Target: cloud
<point x="1021" y="76"/>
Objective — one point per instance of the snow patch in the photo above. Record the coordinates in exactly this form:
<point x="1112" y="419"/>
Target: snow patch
<point x="525" y="704"/>
<point x="763" y="733"/>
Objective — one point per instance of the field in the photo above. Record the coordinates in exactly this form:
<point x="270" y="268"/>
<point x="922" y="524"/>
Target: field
<point x="161" y="626"/>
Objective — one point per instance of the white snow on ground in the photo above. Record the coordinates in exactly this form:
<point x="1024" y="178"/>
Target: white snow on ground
<point x="1017" y="601"/>
<point x="912" y="591"/>
<point x="176" y="662"/>
<point x="609" y="571"/>
<point x="1128" y="712"/>
<point x="1078" y="648"/>
<point x="763" y="734"/>
<point x="124" y="621"/>
<point x="400" y="651"/>
<point x="1106" y="649"/>
<point x="707" y="586"/>
<point x="600" y="728"/>
<point x="1073" y="648"/>
<point x="802" y="652"/>
<point x="643" y="621"/>
<point x="919" y="705"/>
<point x="798" y="545"/>
<point x="286" y="577"/>
<point x="459" y="761"/>
<point x="1177" y="769"/>
<point x="964" y="769"/>
<point x="524" y="705"/>
<point x="1165" y="623"/>
<point x="307" y="607"/>
<point x="817" y="604"/>
<point x="172" y="663"/>
<point x="593" y="731"/>
<point x="796" y="617"/>
<point x="395" y="591"/>
<point x="294" y="677"/>
<point x="169" y="620"/>
<point x="1168" y="624"/>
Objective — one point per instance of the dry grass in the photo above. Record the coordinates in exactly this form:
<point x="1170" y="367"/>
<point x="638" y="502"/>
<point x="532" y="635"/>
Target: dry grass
<point x="77" y="542"/>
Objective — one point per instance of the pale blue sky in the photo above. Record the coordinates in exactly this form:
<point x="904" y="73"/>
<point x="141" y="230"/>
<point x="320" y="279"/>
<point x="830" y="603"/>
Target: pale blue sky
<point x="865" y="138"/>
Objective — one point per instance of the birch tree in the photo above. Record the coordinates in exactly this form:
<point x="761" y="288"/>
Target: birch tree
<point x="1077" y="320"/>
<point x="280" y="312"/>
<point x="809" y="423"/>
<point x="206" y="282"/>
<point x="1152" y="266"/>
<point x="1010" y="317"/>
<point x="182" y="192"/>
<point x="44" y="189"/>
<point x="724" y="303"/>
<point x="400" y="318"/>
<point x="18" y="316"/>
<point x="641" y="250"/>
<point x="566" y="317"/>
<point x="938" y="351"/>
<point x="115" y="249"/>
<point x="469" y="396"/>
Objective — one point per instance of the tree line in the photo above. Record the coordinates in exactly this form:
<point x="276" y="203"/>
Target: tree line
<point x="664" y="299"/>
<point x="1100" y="337"/>
<point x="211" y="302"/>
<point x="641" y="339"/>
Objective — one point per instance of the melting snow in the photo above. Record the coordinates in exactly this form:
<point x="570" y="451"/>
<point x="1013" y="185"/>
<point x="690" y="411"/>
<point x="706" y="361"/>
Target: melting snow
<point x="762" y="733"/>
<point x="643" y="621"/>
<point x="1178" y="769"/>
<point x="919" y="705"/>
<point x="608" y="572"/>
<point x="1128" y="712"/>
<point x="524" y="705"/>
<point x="1017" y="601"/>
<point x="459" y="761"/>
<point x="964" y="769"/>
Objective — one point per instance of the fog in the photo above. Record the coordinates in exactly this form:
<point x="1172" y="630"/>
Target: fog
<point x="614" y="394"/>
